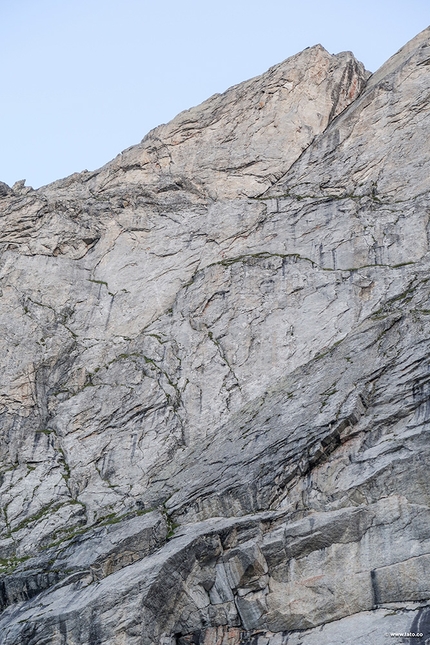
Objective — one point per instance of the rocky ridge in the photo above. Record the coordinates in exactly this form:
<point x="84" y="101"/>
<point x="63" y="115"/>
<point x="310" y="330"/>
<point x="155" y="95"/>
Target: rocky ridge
<point x="215" y="397"/>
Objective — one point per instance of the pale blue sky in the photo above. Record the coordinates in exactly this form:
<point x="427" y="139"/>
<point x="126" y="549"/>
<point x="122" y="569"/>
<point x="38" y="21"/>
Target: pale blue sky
<point x="83" y="79"/>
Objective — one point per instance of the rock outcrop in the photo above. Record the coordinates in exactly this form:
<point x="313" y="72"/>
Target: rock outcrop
<point x="215" y="394"/>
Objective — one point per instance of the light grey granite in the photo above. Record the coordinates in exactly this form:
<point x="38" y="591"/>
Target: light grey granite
<point x="215" y="394"/>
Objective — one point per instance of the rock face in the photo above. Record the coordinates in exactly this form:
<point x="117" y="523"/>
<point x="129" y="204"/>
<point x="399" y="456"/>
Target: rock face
<point x="215" y="395"/>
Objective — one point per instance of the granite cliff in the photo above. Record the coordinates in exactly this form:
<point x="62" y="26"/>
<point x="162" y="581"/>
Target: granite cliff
<point x="215" y="377"/>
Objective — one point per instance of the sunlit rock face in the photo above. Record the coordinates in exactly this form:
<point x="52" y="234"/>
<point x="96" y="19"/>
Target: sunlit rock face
<point x="215" y="382"/>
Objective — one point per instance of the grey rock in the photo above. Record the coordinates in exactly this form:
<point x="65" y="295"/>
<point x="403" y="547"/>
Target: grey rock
<point x="221" y="591"/>
<point x="91" y="554"/>
<point x="226" y="326"/>
<point x="245" y="565"/>
<point x="379" y="627"/>
<point x="4" y="189"/>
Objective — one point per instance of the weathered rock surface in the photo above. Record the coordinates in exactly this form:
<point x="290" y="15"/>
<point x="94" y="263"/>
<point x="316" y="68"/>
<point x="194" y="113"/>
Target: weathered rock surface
<point x="227" y="326"/>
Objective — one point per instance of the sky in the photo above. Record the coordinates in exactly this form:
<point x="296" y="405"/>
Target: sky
<point x="82" y="80"/>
